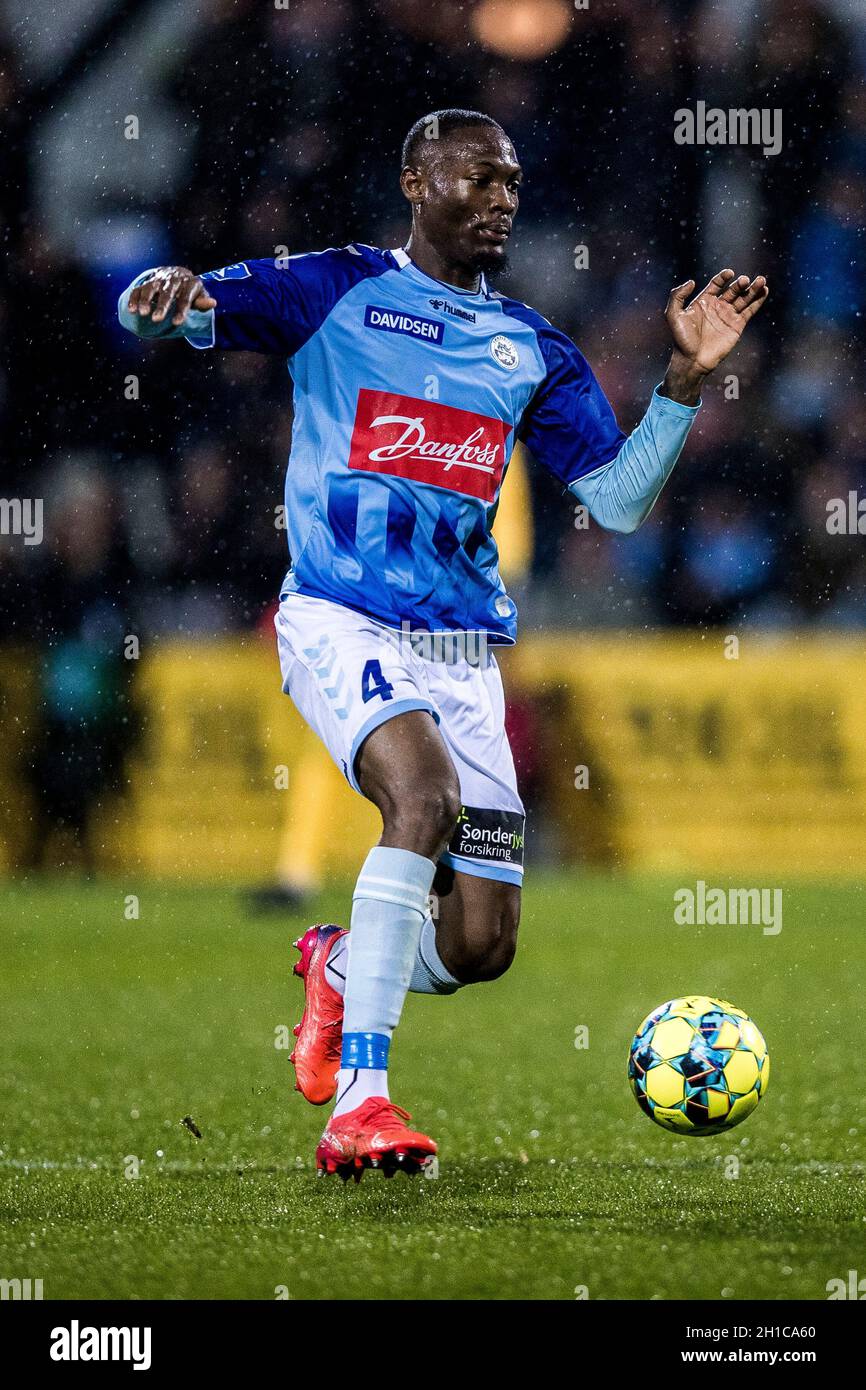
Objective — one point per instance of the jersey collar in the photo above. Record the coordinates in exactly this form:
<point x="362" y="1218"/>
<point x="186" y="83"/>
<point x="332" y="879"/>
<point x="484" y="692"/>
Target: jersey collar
<point x="403" y="260"/>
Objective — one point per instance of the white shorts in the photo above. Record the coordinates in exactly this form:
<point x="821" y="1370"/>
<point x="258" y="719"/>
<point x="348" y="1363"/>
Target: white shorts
<point x="347" y="674"/>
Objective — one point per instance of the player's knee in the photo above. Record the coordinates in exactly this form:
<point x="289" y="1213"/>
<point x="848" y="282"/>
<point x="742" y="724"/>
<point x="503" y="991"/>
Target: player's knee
<point x="424" y="815"/>
<point x="439" y="807"/>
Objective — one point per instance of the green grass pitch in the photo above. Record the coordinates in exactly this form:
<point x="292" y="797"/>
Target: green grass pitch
<point x="551" y="1179"/>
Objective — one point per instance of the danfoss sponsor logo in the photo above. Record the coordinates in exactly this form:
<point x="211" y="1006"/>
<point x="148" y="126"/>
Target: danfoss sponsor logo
<point x="413" y="444"/>
<point x="430" y="442"/>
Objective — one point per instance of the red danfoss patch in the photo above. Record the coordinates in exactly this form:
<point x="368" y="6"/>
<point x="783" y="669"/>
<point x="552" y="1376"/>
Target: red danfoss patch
<point x="430" y="442"/>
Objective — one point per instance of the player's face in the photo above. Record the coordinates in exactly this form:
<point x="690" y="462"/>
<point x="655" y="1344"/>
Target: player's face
<point x="471" y="195"/>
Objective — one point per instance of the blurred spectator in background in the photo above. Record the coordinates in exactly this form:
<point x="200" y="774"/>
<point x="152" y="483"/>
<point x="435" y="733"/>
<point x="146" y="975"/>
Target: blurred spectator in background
<point x="84" y="725"/>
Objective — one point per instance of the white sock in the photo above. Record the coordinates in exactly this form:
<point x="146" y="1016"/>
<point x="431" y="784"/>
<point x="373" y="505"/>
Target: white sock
<point x="337" y="963"/>
<point x="388" y="909"/>
<point x="429" y="975"/>
<point x="357" y="1084"/>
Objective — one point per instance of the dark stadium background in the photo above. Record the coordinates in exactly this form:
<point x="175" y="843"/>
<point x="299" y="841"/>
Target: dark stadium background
<point x="706" y="673"/>
<point x="265" y="127"/>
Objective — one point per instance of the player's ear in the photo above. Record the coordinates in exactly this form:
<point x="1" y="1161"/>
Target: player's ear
<point x="413" y="184"/>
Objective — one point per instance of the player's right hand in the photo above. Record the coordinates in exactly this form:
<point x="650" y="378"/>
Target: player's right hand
<point x="166" y="286"/>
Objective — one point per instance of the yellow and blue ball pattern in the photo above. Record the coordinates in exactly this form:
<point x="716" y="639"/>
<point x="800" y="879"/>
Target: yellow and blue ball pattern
<point x="698" y="1065"/>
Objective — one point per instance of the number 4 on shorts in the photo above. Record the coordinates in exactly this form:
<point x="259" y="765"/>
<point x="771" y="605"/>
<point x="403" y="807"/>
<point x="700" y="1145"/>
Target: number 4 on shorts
<point x="374" y="683"/>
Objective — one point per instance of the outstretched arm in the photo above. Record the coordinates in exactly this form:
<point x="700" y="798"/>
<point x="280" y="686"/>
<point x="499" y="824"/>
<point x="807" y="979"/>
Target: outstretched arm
<point x="621" y="494"/>
<point x="168" y="302"/>
<point x="706" y="330"/>
<point x="269" y="305"/>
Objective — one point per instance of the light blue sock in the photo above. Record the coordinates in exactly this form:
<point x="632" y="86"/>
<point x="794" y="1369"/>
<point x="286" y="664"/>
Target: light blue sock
<point x="429" y="975"/>
<point x="388" y="909"/>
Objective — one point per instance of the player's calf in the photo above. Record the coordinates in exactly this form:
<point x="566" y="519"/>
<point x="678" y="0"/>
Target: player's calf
<point x="485" y="954"/>
<point x="476" y="928"/>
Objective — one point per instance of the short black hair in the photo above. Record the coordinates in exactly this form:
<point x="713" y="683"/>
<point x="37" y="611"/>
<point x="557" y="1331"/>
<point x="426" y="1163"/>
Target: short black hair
<point x="443" y="123"/>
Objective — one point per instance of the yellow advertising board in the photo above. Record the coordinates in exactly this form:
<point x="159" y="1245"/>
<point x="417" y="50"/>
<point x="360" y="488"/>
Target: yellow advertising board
<point x="683" y="754"/>
<point x="213" y="777"/>
<point x="17" y="701"/>
<point x="704" y="753"/>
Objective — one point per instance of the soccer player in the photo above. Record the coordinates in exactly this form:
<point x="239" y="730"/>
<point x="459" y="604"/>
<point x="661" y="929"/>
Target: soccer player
<point x="412" y="380"/>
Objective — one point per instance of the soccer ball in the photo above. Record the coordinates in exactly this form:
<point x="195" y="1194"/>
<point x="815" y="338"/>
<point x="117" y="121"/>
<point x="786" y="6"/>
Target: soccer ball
<point x="698" y="1065"/>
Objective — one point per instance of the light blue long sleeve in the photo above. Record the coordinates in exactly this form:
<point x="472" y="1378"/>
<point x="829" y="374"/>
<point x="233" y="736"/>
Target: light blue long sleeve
<point x="621" y="495"/>
<point x="197" y="328"/>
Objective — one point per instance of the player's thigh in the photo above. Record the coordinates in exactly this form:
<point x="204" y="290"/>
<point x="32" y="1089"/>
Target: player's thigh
<point x="344" y="673"/>
<point x="480" y="876"/>
<point x="405" y="769"/>
<point x="358" y="688"/>
<point x="488" y="838"/>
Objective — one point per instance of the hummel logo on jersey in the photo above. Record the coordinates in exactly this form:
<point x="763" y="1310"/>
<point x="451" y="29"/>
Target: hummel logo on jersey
<point x="447" y="308"/>
<point x="394" y="322"/>
<point x="429" y="442"/>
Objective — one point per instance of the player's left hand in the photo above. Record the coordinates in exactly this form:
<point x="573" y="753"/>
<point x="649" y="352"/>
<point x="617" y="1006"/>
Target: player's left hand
<point x="705" y="330"/>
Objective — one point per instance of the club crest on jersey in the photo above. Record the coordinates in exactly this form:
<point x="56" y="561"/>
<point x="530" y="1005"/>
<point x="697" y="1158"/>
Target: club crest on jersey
<point x="503" y="351"/>
<point x="429" y="442"/>
<point x="392" y="321"/>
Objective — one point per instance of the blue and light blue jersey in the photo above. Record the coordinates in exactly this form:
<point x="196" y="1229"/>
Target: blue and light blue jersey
<point x="409" y="395"/>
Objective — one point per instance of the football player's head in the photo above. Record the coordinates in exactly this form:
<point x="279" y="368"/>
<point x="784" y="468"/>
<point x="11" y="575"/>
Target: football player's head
<point x="460" y="174"/>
